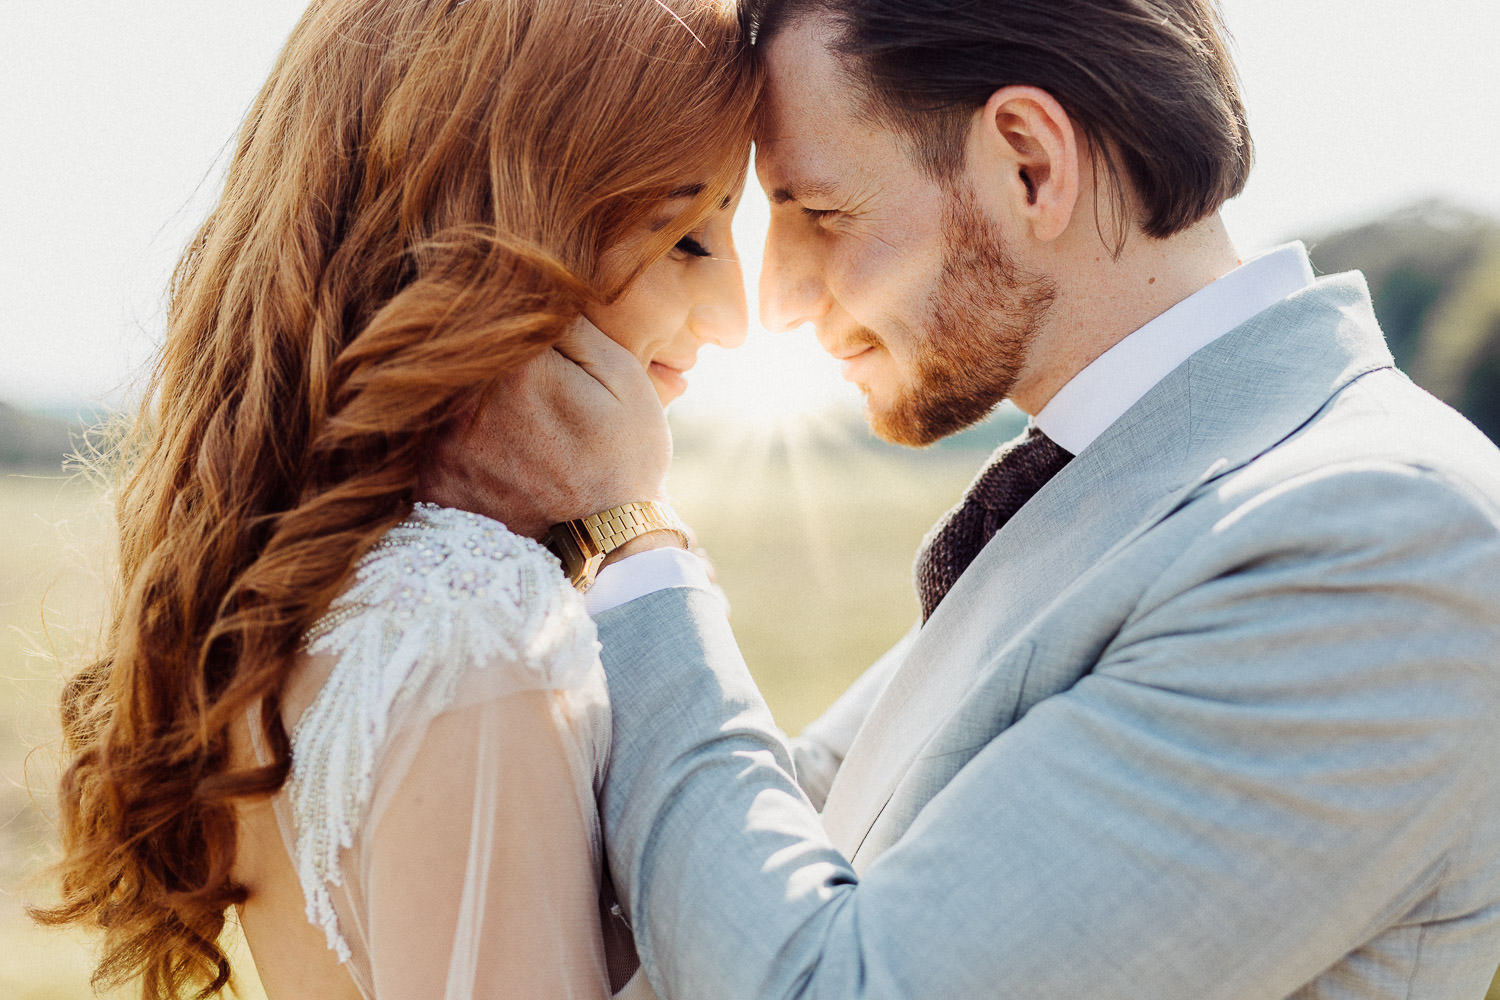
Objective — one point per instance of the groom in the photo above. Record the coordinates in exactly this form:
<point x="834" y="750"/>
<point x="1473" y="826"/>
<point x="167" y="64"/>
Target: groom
<point x="1205" y="698"/>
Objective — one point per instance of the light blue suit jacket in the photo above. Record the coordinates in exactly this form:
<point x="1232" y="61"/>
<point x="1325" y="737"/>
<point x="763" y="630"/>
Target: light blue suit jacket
<point x="1216" y="715"/>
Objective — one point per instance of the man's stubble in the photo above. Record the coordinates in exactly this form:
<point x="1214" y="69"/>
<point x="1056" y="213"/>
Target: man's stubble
<point x="982" y="317"/>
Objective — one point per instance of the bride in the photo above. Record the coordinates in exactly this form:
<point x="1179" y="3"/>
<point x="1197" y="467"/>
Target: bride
<point x="370" y="724"/>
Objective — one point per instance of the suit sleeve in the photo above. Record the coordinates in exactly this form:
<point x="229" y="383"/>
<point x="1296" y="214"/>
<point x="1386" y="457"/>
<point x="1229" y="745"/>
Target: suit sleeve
<point x="1269" y="764"/>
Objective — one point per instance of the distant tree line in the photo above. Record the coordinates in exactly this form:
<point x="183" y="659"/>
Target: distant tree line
<point x="32" y="440"/>
<point x="1434" y="274"/>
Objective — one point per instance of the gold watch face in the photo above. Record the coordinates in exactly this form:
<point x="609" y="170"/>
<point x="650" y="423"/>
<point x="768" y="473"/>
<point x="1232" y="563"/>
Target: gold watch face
<point x="577" y="552"/>
<point x="585" y="579"/>
<point x="581" y="545"/>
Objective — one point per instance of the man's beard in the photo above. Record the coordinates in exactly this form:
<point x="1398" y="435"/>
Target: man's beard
<point x="982" y="318"/>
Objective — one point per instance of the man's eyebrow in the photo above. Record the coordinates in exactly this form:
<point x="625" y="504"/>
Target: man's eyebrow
<point x="812" y="189"/>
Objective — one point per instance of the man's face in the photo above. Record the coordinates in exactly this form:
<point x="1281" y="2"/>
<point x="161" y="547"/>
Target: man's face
<point x="905" y="279"/>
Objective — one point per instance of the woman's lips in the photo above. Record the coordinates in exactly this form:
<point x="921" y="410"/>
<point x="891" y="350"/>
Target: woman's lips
<point x="670" y="382"/>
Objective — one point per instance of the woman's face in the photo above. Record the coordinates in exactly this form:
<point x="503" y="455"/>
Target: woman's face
<point x="695" y="295"/>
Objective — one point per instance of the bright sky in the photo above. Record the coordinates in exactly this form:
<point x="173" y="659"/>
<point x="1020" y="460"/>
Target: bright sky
<point x="115" y="115"/>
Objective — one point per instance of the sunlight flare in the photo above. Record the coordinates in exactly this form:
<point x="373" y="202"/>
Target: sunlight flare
<point x="773" y="378"/>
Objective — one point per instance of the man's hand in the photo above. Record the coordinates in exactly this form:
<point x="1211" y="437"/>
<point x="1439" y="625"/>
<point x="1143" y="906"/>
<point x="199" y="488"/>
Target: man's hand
<point x="574" y="432"/>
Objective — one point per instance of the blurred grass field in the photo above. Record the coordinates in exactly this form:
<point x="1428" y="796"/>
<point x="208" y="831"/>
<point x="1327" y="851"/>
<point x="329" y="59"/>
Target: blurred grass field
<point x="812" y="546"/>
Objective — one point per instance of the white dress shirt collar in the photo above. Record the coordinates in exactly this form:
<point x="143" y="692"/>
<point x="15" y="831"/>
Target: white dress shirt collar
<point x="1100" y="394"/>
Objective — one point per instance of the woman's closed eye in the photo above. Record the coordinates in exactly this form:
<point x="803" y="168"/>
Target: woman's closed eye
<point x="693" y="248"/>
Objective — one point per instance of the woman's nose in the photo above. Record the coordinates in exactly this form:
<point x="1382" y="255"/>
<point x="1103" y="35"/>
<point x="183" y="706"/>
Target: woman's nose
<point x="722" y="317"/>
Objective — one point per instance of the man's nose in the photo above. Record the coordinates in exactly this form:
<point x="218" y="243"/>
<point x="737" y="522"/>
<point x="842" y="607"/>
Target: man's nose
<point x="792" y="289"/>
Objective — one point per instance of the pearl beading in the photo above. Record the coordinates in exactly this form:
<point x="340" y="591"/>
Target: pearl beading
<point x="442" y="593"/>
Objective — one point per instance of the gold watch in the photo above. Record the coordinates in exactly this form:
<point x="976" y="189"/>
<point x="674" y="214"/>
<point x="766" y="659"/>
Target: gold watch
<point x="581" y="544"/>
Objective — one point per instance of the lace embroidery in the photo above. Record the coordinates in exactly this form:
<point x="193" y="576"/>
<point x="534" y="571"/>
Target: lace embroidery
<point x="443" y="592"/>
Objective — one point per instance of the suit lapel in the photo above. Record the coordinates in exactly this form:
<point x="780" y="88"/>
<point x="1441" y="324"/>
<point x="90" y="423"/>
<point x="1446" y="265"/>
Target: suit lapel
<point x="1230" y="402"/>
<point x="1048" y="542"/>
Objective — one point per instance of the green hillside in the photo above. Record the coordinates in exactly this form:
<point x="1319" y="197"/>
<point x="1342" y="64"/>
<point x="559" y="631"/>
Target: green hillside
<point x="1434" y="273"/>
<point x="32" y="441"/>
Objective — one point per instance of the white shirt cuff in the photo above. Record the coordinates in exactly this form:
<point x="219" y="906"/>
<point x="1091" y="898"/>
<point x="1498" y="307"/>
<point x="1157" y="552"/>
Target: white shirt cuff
<point x="645" y="573"/>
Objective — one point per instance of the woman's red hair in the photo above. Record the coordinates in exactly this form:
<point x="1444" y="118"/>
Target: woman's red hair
<point x="418" y="201"/>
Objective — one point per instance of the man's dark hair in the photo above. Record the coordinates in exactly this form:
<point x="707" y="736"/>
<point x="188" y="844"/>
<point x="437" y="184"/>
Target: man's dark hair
<point x="1150" y="83"/>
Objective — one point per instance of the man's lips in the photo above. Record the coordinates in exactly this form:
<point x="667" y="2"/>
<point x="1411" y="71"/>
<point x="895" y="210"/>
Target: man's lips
<point x="843" y="352"/>
<point x="850" y="358"/>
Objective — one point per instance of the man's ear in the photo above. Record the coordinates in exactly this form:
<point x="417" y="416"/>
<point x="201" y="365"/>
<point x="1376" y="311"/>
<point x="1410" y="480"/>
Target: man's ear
<point x="1029" y="157"/>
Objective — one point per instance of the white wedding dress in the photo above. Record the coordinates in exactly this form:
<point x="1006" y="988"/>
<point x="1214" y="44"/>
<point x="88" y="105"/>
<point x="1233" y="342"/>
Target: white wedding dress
<point x="440" y="811"/>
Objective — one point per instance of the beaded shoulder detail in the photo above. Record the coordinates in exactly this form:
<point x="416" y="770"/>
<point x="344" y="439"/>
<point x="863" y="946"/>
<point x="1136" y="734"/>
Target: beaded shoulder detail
<point x="442" y="593"/>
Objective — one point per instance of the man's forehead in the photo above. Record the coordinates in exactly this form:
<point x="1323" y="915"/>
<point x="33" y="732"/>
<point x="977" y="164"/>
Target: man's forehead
<point x="803" y="152"/>
<point x="791" y="168"/>
<point x="804" y="79"/>
<point x="817" y="158"/>
<point x="809" y="128"/>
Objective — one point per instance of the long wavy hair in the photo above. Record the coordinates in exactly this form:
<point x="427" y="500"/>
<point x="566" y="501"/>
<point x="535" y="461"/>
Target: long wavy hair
<point x="417" y="202"/>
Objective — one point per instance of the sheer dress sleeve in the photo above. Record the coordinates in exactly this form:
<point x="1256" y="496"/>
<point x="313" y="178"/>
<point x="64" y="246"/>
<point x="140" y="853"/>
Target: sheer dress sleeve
<point x="440" y="811"/>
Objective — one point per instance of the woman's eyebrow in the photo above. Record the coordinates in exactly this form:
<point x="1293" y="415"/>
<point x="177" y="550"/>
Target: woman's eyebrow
<point x="693" y="191"/>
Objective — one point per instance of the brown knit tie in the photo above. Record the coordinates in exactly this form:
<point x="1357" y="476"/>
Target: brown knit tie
<point x="1012" y="477"/>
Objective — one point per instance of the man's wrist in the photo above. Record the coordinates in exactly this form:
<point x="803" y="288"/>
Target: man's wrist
<point x="662" y="538"/>
<point x="647" y="573"/>
<point x="583" y="545"/>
